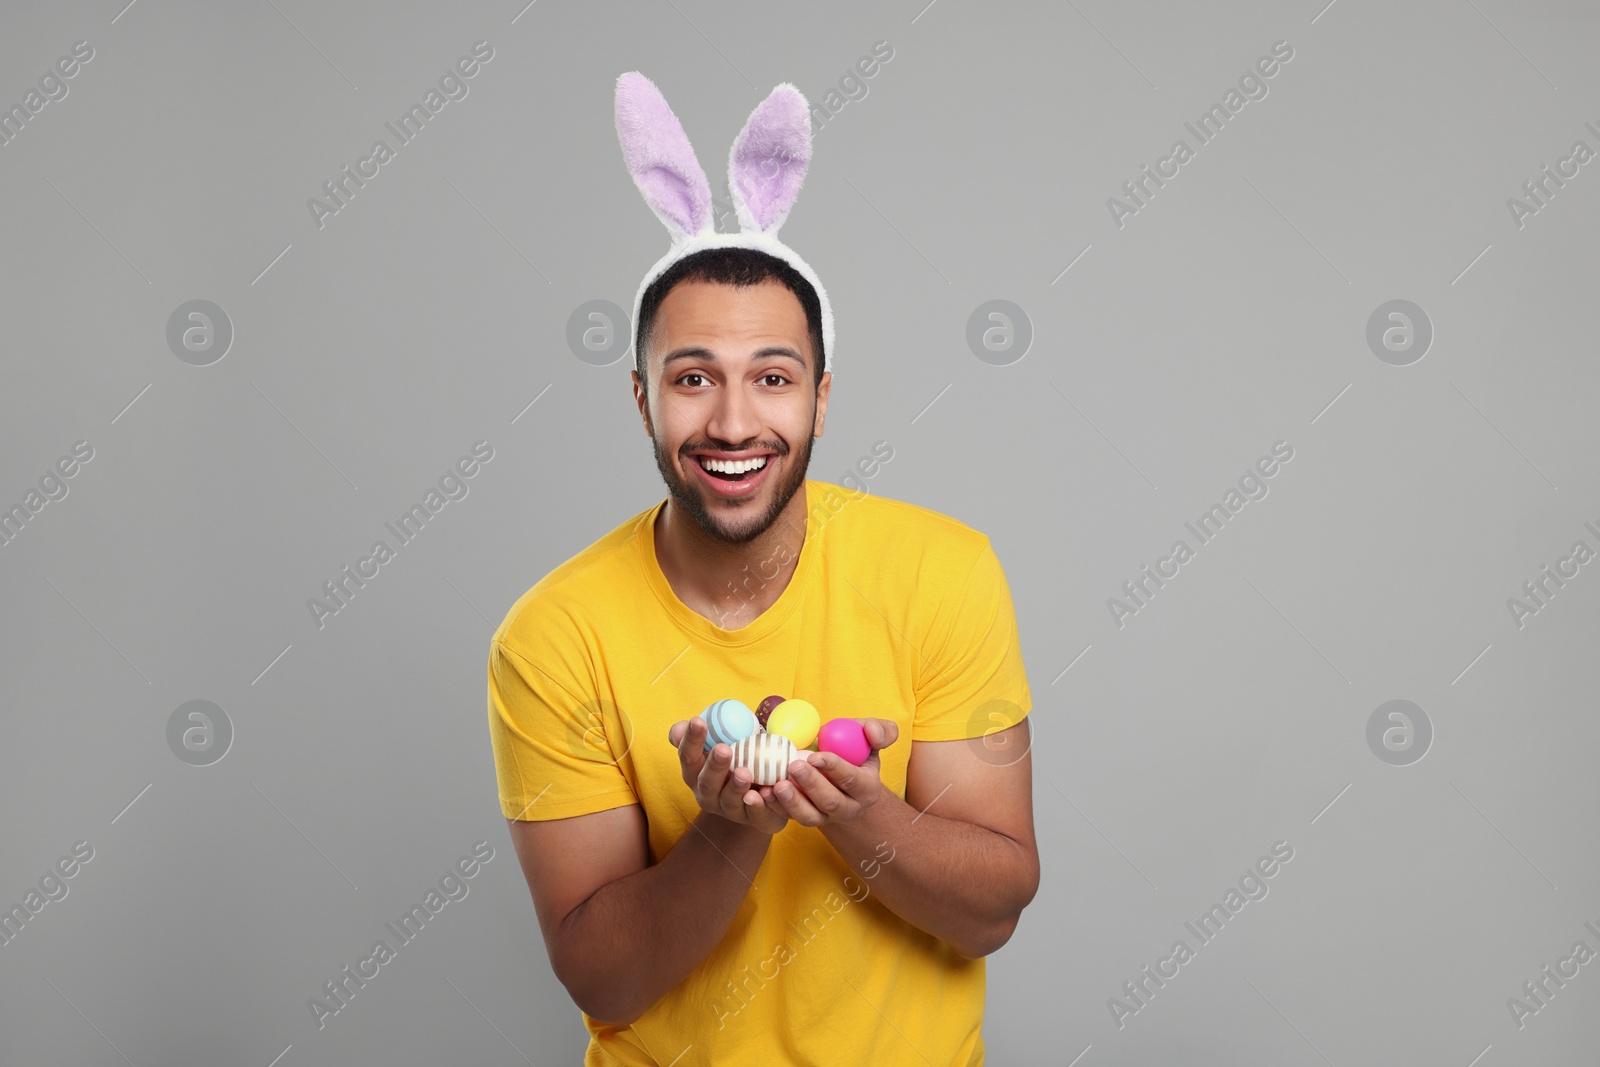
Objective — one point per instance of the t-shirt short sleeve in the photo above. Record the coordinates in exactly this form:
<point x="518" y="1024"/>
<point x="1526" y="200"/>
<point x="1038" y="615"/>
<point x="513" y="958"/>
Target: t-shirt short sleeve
<point x="971" y="680"/>
<point x="556" y="748"/>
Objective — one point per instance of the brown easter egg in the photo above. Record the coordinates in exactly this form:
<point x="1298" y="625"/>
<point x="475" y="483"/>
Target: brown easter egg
<point x="765" y="708"/>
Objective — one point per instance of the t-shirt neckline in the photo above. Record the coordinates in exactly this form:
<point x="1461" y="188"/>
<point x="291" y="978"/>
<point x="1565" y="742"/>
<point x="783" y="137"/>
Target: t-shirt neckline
<point x="702" y="628"/>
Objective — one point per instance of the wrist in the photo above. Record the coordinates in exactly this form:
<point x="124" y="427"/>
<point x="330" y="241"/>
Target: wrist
<point x="871" y="824"/>
<point x="727" y="834"/>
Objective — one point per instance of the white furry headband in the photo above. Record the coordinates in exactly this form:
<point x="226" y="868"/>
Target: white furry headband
<point x="766" y="167"/>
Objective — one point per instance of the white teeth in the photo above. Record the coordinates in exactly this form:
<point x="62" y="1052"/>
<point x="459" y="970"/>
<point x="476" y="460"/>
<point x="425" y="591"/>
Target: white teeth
<point x="733" y="467"/>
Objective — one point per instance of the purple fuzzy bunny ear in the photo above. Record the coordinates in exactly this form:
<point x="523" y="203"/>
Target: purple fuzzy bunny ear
<point x="660" y="158"/>
<point x="769" y="160"/>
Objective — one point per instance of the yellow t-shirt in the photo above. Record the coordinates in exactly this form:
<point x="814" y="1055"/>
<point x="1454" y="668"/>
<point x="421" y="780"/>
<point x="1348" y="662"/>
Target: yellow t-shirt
<point x="894" y="612"/>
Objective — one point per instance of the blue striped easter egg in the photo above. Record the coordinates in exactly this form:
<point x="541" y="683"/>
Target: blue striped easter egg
<point x="727" y="722"/>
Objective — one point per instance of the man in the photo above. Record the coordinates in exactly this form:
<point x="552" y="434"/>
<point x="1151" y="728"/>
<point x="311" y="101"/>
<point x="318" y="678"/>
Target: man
<point x="841" y="916"/>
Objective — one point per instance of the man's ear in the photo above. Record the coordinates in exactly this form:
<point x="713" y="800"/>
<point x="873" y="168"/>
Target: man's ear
<point x="822" y="402"/>
<point x="642" y="401"/>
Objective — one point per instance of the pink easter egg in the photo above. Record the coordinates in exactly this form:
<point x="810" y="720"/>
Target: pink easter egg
<point x="845" y="738"/>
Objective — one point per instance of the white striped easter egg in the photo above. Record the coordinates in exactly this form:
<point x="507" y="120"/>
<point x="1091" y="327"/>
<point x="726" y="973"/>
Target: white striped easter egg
<point x="766" y="756"/>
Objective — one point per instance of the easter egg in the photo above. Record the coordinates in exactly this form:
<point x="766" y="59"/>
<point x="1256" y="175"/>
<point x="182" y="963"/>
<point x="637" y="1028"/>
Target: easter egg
<point x="764" y="709"/>
<point x="727" y="721"/>
<point x="766" y="756"/>
<point x="797" y="720"/>
<point x="845" y="738"/>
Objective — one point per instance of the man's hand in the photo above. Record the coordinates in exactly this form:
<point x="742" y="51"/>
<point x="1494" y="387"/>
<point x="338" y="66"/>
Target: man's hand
<point x="718" y="790"/>
<point x="824" y="790"/>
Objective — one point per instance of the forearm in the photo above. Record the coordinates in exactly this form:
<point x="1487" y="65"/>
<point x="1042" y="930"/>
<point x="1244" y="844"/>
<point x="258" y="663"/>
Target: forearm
<point x="635" y="938"/>
<point x="959" y="882"/>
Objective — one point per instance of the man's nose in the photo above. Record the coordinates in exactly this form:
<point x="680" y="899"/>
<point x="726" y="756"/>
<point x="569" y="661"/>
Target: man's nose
<point x="734" y="418"/>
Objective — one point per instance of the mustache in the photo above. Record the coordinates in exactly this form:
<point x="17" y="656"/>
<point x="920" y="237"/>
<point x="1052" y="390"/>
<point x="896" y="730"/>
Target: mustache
<point x="775" y="447"/>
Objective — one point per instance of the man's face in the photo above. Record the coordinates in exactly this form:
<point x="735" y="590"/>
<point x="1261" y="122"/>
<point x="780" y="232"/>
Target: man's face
<point x="731" y="378"/>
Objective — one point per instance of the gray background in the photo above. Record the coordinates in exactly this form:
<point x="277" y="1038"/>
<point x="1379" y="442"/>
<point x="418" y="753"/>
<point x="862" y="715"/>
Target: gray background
<point x="1170" y="753"/>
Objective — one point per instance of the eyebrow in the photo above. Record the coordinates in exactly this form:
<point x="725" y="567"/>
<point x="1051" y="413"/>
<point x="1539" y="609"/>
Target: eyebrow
<point x="701" y="352"/>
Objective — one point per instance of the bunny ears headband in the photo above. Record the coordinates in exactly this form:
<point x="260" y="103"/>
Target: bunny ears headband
<point x="765" y="169"/>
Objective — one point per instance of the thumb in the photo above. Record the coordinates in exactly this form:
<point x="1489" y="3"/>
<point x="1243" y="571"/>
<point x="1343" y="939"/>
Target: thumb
<point x="881" y="733"/>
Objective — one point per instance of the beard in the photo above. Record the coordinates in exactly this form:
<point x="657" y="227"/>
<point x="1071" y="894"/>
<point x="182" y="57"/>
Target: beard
<point x="735" y="522"/>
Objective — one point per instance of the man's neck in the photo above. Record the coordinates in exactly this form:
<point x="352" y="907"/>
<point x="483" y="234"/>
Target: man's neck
<point x="732" y="585"/>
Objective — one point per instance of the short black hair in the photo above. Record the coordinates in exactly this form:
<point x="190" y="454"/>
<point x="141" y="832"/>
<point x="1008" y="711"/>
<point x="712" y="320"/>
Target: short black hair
<point x="728" y="266"/>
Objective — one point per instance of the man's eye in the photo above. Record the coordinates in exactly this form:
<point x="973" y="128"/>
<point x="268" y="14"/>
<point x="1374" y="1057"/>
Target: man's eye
<point x="780" y="377"/>
<point x="691" y="374"/>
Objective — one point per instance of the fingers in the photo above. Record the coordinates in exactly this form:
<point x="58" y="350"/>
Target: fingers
<point x="725" y="789"/>
<point x="757" y="806"/>
<point x="795" y="802"/>
<point x="761" y="812"/>
<point x="718" y="786"/>
<point x="751" y="806"/>
<point x="713" y="776"/>
<point x="731" y="798"/>
<point x="691" y="741"/>
<point x="824" y="768"/>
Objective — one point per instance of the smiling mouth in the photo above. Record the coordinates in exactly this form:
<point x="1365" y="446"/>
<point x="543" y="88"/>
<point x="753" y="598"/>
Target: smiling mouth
<point x="732" y="470"/>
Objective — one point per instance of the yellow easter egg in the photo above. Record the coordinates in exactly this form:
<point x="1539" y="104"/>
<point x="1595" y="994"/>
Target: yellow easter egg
<point x="797" y="720"/>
